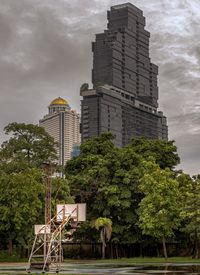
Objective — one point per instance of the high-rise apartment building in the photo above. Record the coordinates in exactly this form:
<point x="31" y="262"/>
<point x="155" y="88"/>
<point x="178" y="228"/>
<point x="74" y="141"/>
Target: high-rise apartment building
<point x="124" y="98"/>
<point x="63" y="124"/>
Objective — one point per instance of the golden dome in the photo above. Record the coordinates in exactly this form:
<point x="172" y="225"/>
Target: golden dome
<point x="59" y="101"/>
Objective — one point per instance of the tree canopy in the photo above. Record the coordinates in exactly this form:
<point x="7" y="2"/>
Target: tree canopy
<point x="190" y="212"/>
<point x="21" y="197"/>
<point x="22" y="182"/>
<point x="159" y="209"/>
<point x="28" y="145"/>
<point x="107" y="178"/>
<point x="135" y="187"/>
<point x="164" y="152"/>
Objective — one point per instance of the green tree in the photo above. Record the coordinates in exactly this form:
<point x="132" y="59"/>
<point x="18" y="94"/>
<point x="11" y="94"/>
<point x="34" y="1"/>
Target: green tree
<point x="29" y="145"/>
<point x="164" y="152"/>
<point x="190" y="191"/>
<point x="159" y="209"/>
<point x="106" y="178"/>
<point x="60" y="193"/>
<point x="22" y="204"/>
<point x="105" y="226"/>
<point x="88" y="170"/>
<point x="21" y="196"/>
<point x="21" y="159"/>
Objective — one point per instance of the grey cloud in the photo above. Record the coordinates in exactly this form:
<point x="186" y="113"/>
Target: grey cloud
<point x="45" y="52"/>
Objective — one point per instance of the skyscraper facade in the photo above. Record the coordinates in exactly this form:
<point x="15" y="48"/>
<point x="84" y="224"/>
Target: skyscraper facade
<point x="124" y="98"/>
<point x="63" y="124"/>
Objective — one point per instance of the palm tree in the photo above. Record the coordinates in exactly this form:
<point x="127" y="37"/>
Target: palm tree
<point x="105" y="227"/>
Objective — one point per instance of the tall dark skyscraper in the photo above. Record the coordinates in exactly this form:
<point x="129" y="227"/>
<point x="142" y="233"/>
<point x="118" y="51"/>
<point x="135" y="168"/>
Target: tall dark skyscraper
<point x="125" y="92"/>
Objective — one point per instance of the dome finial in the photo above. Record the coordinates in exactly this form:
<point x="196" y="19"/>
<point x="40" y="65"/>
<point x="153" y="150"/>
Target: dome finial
<point x="59" y="101"/>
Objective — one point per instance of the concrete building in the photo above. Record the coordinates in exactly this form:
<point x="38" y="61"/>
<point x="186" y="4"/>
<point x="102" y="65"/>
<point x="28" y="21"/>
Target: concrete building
<point x="63" y="124"/>
<point x="124" y="98"/>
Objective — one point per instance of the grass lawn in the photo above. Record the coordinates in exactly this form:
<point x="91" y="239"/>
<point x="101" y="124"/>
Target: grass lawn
<point x="151" y="260"/>
<point x="120" y="260"/>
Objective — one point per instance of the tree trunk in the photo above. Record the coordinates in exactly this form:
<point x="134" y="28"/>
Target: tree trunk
<point x="141" y="250"/>
<point x="111" y="251"/>
<point x="103" y="238"/>
<point x="103" y="251"/>
<point x="10" y="247"/>
<point x="116" y="249"/>
<point x="22" y="252"/>
<point x="196" y="248"/>
<point x="158" y="251"/>
<point x="164" y="247"/>
<point x="28" y="156"/>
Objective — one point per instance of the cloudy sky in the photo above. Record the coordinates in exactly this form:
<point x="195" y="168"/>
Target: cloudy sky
<point x="45" y="52"/>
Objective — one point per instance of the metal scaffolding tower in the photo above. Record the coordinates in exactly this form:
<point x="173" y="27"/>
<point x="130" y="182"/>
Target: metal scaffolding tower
<point x="48" y="169"/>
<point x="46" y="253"/>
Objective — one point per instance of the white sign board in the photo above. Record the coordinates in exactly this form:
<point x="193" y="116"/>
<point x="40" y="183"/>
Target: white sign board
<point x="75" y="211"/>
<point x="81" y="217"/>
<point x="65" y="211"/>
<point x="42" y="229"/>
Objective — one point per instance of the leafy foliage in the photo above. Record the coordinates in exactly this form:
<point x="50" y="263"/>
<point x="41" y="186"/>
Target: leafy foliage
<point x="21" y="196"/>
<point x="106" y="224"/>
<point x="22" y="187"/>
<point x="114" y="182"/>
<point x="106" y="178"/>
<point x="60" y="192"/>
<point x="105" y="227"/>
<point x="28" y="145"/>
<point x="190" y="212"/>
<point x="163" y="152"/>
<point x="191" y="203"/>
<point x="159" y="209"/>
